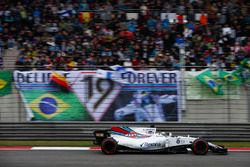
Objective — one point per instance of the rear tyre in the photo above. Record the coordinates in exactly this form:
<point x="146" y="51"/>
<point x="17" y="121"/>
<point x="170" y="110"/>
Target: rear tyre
<point x="109" y="146"/>
<point x="200" y="147"/>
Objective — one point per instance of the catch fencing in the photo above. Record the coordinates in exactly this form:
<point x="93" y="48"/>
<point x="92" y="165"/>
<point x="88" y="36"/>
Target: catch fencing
<point x="195" y="102"/>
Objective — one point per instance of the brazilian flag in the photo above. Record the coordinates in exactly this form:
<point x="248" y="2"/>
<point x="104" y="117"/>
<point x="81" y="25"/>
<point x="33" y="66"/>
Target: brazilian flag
<point x="243" y="70"/>
<point x="230" y="77"/>
<point x="55" y="106"/>
<point x="206" y="78"/>
<point x="5" y="82"/>
<point x="245" y="63"/>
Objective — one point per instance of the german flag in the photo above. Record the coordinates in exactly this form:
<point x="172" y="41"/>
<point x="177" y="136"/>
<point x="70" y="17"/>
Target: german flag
<point x="59" y="81"/>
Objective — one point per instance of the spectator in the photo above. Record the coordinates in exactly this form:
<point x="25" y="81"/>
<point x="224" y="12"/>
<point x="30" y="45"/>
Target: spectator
<point x="66" y="34"/>
<point x="203" y="19"/>
<point x="132" y="26"/>
<point x="165" y="23"/>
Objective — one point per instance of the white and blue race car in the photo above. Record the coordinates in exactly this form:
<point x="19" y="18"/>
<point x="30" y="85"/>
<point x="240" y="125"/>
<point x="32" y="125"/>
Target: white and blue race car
<point x="143" y="139"/>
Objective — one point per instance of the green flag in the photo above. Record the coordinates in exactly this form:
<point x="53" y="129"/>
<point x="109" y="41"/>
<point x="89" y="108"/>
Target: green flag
<point x="206" y="78"/>
<point x="243" y="70"/>
<point x="230" y="77"/>
<point x="55" y="106"/>
<point x="245" y="63"/>
<point x="5" y="82"/>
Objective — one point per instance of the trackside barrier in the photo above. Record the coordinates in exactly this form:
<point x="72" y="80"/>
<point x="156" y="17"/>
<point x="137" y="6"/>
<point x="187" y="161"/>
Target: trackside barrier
<point x="84" y="131"/>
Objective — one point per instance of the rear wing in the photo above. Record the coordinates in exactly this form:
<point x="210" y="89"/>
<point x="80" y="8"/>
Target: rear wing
<point x="100" y="135"/>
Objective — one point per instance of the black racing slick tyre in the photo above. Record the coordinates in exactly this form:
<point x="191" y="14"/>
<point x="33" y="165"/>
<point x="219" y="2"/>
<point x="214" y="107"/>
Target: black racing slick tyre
<point x="200" y="147"/>
<point x="109" y="146"/>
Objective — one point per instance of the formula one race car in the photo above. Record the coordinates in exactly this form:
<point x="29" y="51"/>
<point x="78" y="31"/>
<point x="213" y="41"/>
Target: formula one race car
<point x="121" y="139"/>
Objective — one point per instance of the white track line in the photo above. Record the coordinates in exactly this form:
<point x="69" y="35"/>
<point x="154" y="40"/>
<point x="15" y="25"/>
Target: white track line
<point x="89" y="148"/>
<point x="61" y="148"/>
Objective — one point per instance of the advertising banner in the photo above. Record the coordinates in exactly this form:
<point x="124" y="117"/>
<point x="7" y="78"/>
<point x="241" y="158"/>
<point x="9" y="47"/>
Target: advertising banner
<point x="151" y="96"/>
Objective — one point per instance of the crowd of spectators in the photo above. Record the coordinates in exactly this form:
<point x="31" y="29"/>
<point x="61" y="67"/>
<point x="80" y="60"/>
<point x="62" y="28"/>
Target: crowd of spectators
<point x="73" y="34"/>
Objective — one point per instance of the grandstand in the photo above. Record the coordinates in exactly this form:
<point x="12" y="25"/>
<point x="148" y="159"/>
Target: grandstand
<point x="78" y="33"/>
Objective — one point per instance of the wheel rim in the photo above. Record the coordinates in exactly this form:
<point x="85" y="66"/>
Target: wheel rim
<point x="200" y="147"/>
<point x="109" y="147"/>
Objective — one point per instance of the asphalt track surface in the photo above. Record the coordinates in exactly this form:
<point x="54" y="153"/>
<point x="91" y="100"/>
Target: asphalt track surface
<point x="34" y="158"/>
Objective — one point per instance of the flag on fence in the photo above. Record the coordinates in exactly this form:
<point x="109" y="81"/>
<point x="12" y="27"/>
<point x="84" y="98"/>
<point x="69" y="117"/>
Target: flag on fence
<point x="104" y="74"/>
<point x="55" y="106"/>
<point x="231" y="77"/>
<point x="119" y="68"/>
<point x="206" y="78"/>
<point x="114" y="75"/>
<point x="5" y="82"/>
<point x="60" y="81"/>
<point x="243" y="70"/>
<point x="246" y="63"/>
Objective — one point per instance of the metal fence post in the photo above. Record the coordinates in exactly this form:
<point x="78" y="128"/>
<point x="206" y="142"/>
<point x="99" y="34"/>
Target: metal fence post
<point x="182" y="79"/>
<point x="228" y="103"/>
<point x="248" y="101"/>
<point x="19" y="106"/>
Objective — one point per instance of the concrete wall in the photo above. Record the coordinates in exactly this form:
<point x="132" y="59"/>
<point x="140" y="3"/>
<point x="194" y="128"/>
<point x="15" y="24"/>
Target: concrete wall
<point x="210" y="111"/>
<point x="11" y="108"/>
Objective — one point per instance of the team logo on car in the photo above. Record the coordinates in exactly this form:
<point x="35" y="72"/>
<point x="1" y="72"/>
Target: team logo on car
<point x="150" y="144"/>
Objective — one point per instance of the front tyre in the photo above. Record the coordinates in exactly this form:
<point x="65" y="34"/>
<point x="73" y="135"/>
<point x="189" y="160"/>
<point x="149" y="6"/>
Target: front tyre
<point x="200" y="147"/>
<point x="109" y="146"/>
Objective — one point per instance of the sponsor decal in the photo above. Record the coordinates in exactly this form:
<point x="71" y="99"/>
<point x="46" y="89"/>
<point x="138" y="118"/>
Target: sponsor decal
<point x="179" y="141"/>
<point x="149" y="131"/>
<point x="150" y="144"/>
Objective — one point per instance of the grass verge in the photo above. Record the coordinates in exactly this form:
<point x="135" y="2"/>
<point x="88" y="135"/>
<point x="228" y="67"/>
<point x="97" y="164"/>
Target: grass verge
<point x="81" y="143"/>
<point x="232" y="144"/>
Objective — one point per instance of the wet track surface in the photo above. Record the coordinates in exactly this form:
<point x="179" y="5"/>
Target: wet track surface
<point x="96" y="158"/>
